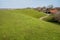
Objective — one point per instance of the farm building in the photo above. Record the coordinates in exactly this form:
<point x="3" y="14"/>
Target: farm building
<point x="48" y="10"/>
<point x="52" y="11"/>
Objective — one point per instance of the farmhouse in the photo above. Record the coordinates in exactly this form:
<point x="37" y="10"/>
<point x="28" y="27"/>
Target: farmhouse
<point x="58" y="8"/>
<point x="53" y="11"/>
<point x="48" y="10"/>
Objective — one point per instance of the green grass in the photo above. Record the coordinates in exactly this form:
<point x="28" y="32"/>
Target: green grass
<point x="20" y="25"/>
<point x="30" y="12"/>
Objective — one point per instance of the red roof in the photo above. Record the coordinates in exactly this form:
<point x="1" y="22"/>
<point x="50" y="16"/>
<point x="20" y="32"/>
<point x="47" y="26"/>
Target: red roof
<point x="53" y="11"/>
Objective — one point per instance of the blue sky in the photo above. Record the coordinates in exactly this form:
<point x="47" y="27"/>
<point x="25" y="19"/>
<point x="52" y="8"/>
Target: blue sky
<point x="28" y="3"/>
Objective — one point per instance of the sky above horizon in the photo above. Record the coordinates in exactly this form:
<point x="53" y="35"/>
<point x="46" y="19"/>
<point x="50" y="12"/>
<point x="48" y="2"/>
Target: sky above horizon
<point x="28" y="3"/>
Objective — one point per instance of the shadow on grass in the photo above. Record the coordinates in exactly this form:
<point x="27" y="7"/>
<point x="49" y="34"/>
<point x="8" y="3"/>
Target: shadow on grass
<point x="55" y="22"/>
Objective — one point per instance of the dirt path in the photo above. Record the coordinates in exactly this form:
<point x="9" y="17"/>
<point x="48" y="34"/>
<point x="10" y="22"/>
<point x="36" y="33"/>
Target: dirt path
<point x="44" y="17"/>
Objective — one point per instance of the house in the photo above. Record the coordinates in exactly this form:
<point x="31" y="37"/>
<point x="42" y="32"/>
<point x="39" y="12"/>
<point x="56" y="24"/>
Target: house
<point x="58" y="8"/>
<point x="48" y="10"/>
<point x="53" y="11"/>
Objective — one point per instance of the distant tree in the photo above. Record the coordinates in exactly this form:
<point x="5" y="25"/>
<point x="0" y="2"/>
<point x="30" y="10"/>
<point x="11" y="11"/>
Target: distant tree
<point x="38" y="8"/>
<point x="44" y="7"/>
<point x="50" y="6"/>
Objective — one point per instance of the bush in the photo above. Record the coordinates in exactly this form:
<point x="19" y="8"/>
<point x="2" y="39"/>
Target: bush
<point x="53" y="18"/>
<point x="57" y="16"/>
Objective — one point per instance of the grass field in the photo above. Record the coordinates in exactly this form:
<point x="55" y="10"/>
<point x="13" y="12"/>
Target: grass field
<point x="29" y="12"/>
<point x="25" y="25"/>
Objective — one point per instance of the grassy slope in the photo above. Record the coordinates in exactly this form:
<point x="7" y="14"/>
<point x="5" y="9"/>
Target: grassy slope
<point x="30" y="12"/>
<point x="18" y="26"/>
